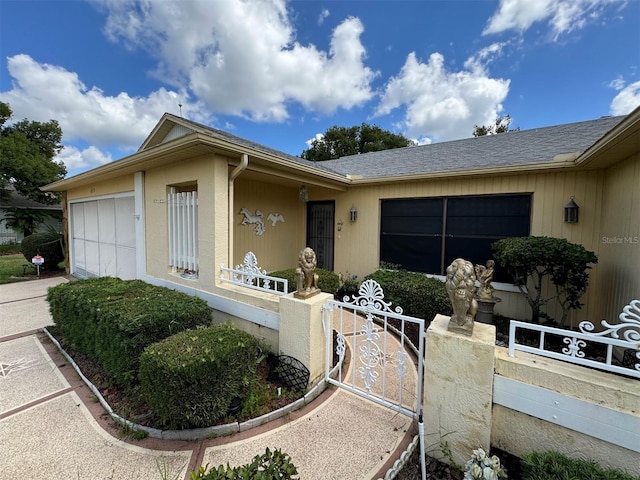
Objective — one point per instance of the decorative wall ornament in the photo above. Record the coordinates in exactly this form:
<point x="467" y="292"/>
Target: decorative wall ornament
<point x="250" y="218"/>
<point x="275" y="218"/>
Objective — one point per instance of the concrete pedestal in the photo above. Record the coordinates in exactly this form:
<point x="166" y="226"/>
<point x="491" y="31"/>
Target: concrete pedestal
<point x="458" y="388"/>
<point x="301" y="334"/>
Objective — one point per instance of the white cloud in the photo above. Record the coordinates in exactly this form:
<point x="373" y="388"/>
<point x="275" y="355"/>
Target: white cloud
<point x="79" y="160"/>
<point x="317" y="138"/>
<point x="562" y="16"/>
<point x="242" y="58"/>
<point x="42" y="92"/>
<point x="627" y="99"/>
<point x="324" y="14"/>
<point x="442" y="105"/>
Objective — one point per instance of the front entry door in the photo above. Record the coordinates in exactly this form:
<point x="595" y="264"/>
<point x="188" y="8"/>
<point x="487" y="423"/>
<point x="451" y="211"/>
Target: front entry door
<point x="320" y="221"/>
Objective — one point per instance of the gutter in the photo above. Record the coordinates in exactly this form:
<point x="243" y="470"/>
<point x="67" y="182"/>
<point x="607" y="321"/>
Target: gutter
<point x="242" y="166"/>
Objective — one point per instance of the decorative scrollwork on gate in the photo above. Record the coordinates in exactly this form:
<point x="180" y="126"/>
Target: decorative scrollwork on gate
<point x="573" y="347"/>
<point x="371" y="297"/>
<point x="249" y="269"/>
<point x="629" y="328"/>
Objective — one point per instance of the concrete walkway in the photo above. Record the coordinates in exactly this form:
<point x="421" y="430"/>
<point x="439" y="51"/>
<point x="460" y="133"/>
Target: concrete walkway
<point x="51" y="426"/>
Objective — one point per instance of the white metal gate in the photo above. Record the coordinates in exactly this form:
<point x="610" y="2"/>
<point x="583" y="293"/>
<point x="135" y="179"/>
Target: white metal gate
<point x="375" y="359"/>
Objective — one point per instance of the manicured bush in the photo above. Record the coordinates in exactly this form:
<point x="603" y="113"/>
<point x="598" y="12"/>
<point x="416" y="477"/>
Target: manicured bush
<point x="328" y="281"/>
<point x="113" y="320"/>
<point x="47" y="245"/>
<point x="418" y="295"/>
<point x="268" y="466"/>
<point x="190" y="378"/>
<point x="532" y="260"/>
<point x="548" y="465"/>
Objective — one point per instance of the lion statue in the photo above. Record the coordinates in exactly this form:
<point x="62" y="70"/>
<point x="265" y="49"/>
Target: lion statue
<point x="306" y="271"/>
<point x="461" y="288"/>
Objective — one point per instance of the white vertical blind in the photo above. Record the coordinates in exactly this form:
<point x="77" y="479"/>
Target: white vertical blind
<point x="183" y="230"/>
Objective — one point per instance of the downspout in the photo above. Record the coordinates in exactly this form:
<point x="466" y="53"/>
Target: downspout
<point x="242" y="166"/>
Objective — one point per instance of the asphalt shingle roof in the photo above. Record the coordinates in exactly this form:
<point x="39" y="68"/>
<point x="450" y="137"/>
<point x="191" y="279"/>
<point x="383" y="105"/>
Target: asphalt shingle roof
<point x="526" y="147"/>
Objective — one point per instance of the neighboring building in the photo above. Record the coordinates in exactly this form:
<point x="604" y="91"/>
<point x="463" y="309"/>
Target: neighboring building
<point x="195" y="198"/>
<point x="15" y="200"/>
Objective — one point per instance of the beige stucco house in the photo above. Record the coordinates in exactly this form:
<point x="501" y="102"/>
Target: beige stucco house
<point x="193" y="198"/>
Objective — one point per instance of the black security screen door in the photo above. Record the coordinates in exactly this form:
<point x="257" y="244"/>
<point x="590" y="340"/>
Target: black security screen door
<point x="427" y="234"/>
<point x="320" y="220"/>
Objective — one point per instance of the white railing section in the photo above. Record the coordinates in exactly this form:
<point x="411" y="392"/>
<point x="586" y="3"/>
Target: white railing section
<point x="249" y="275"/>
<point x="625" y="335"/>
<point x="183" y="230"/>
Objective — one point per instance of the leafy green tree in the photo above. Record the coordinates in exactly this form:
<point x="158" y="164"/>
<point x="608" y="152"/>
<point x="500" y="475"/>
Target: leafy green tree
<point x="343" y="141"/>
<point x="24" y="220"/>
<point x="532" y="260"/>
<point x="27" y="156"/>
<point x="501" y="125"/>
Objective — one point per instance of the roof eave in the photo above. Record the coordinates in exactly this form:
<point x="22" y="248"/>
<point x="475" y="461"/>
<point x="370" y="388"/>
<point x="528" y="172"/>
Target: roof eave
<point x="188" y="146"/>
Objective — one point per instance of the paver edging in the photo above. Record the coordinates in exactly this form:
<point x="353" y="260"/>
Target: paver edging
<point x="196" y="433"/>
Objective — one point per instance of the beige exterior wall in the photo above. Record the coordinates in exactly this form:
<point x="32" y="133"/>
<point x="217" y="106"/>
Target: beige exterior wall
<point x="619" y="239"/>
<point x="520" y="434"/>
<point x="357" y="245"/>
<point x="210" y="175"/>
<point x="278" y="247"/>
<point x="99" y="189"/>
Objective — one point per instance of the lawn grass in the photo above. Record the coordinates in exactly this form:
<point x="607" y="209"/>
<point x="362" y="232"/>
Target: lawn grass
<point x="11" y="266"/>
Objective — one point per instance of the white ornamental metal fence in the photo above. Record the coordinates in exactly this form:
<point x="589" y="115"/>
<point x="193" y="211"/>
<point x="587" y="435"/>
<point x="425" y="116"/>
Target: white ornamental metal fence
<point x="375" y="358"/>
<point x="384" y="366"/>
<point x="250" y="275"/>
<point x="585" y="346"/>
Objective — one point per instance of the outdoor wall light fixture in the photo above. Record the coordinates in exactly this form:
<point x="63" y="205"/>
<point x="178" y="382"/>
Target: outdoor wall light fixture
<point x="571" y="212"/>
<point x="304" y="194"/>
<point x="354" y="214"/>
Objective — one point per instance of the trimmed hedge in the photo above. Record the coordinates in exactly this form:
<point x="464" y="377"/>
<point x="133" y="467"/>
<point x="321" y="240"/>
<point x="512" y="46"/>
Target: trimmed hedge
<point x="418" y="295"/>
<point x="328" y="281"/>
<point x="48" y="245"/>
<point x="113" y="320"/>
<point x="190" y="378"/>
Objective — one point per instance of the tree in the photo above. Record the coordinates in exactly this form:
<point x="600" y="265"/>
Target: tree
<point x="24" y="220"/>
<point x="532" y="260"/>
<point x="27" y="156"/>
<point x="343" y="141"/>
<point x="501" y="125"/>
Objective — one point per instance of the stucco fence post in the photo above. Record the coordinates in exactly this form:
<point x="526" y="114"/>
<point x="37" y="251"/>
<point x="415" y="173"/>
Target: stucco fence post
<point x="301" y="333"/>
<point x="458" y="389"/>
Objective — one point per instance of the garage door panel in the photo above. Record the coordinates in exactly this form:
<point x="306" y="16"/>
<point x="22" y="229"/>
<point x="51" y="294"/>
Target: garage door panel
<point x="92" y="258"/>
<point x="77" y="220"/>
<point x="91" y="221"/>
<point x="107" y="260"/>
<point x="125" y="221"/>
<point x="107" y="221"/>
<point x="126" y="263"/>
<point x="104" y="239"/>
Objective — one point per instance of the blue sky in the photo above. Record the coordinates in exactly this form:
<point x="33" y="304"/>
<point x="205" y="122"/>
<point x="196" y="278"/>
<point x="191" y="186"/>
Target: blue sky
<point x="280" y="73"/>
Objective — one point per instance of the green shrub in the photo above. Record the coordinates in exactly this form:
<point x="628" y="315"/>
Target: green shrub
<point x="328" y="281"/>
<point x="190" y="378"/>
<point x="48" y="245"/>
<point x="268" y="466"/>
<point x="418" y="295"/>
<point x="554" y="465"/>
<point x="113" y="320"/>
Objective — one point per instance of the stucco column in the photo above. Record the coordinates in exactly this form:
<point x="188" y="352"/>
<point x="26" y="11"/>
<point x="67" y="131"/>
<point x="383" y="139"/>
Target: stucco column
<point x="301" y="331"/>
<point x="458" y="389"/>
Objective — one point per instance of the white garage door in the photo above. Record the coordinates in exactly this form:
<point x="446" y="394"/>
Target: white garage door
<point x="103" y="236"/>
